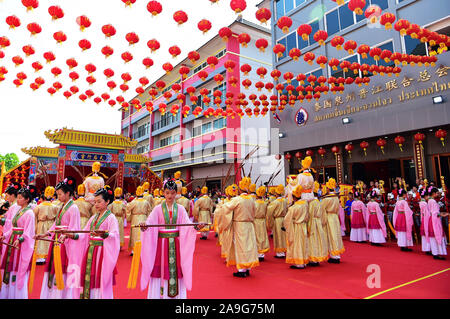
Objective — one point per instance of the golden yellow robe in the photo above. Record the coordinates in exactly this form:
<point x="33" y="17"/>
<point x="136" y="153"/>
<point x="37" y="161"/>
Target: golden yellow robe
<point x="318" y="240"/>
<point x="331" y="206"/>
<point x="85" y="209"/>
<point x="150" y="200"/>
<point x="296" y="226"/>
<point x="275" y="216"/>
<point x="45" y="217"/>
<point x="119" y="209"/>
<point x="223" y="239"/>
<point x="203" y="208"/>
<point x="186" y="203"/>
<point x="262" y="239"/>
<point x="238" y="217"/>
<point x="137" y="212"/>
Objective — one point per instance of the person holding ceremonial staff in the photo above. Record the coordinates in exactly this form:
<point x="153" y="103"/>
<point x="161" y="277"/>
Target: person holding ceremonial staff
<point x="167" y="251"/>
<point x="19" y="242"/>
<point x="62" y="257"/>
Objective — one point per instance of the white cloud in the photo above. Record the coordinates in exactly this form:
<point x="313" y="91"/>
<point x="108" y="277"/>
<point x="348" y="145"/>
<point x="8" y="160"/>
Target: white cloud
<point x="25" y="114"/>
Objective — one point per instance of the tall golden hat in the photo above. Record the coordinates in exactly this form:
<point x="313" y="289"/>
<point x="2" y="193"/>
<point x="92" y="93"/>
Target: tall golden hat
<point x="280" y="189"/>
<point x="146" y="186"/>
<point x="118" y="192"/>
<point x="204" y="190"/>
<point x="261" y="191"/>
<point x="244" y="184"/>
<point x="81" y="189"/>
<point x="139" y="191"/>
<point x="49" y="192"/>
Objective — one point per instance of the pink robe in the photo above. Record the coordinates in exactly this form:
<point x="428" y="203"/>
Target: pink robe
<point x="375" y="207"/>
<point x="150" y="242"/>
<point x="424" y="215"/>
<point x="433" y="208"/>
<point x="71" y="219"/>
<point x="27" y="223"/>
<point x="402" y="206"/>
<point x="111" y="248"/>
<point x="342" y="219"/>
<point x="358" y="215"/>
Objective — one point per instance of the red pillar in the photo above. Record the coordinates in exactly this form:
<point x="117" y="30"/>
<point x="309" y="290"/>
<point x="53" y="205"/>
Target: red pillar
<point x="61" y="163"/>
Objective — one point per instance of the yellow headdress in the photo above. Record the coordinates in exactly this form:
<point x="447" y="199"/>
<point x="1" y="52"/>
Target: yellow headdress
<point x="146" y="186"/>
<point x="81" y="189"/>
<point x="244" y="184"/>
<point x="161" y="192"/>
<point x="156" y="192"/>
<point x="96" y="167"/>
<point x="233" y="190"/>
<point x="183" y="190"/>
<point x="177" y="175"/>
<point x="331" y="184"/>
<point x="316" y="186"/>
<point x="139" y="191"/>
<point x="272" y="190"/>
<point x="118" y="192"/>
<point x="261" y="191"/>
<point x="204" y="190"/>
<point x="252" y="188"/>
<point x="280" y="189"/>
<point x="306" y="164"/>
<point x="297" y="192"/>
<point x="49" y="192"/>
<point x="292" y="180"/>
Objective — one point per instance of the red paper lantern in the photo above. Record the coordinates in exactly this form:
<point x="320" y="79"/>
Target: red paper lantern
<point x="202" y="75"/>
<point x="304" y="31"/>
<point x="90" y="68"/>
<point x="350" y="46"/>
<point x="128" y="3"/>
<point x="364" y="145"/>
<point x="337" y="42"/>
<point x="387" y="19"/>
<point x="66" y="94"/>
<point x="246" y="68"/>
<point x="261" y="71"/>
<point x="381" y="142"/>
<point x="288" y="156"/>
<point x="321" y="151"/>
<point x="91" y="80"/>
<point x="263" y="15"/>
<point x="244" y="39"/>
<point x="74" y="76"/>
<point x="279" y="49"/>
<point x="295" y="54"/>
<point x="174" y="51"/>
<point x="357" y="6"/>
<point x="126" y="77"/>
<point x="419" y="137"/>
<point x="147" y="62"/>
<point x="30" y="4"/>
<point x="322" y="61"/>
<point x="84" y="44"/>
<point x="60" y="37"/>
<point x="34" y="28"/>
<point x="13" y="21"/>
<point x="399" y="140"/>
<point x="225" y="33"/>
<point x="180" y="17"/>
<point x="153" y="45"/>
<point x="154" y="7"/>
<point x="56" y="71"/>
<point x="28" y="50"/>
<point x="229" y="65"/>
<point x="335" y="150"/>
<point x="363" y="50"/>
<point x="218" y="78"/>
<point x="441" y="134"/>
<point x="320" y="37"/>
<point x="108" y="30"/>
<point x="184" y="71"/>
<point x="204" y="26"/>
<point x="105" y="96"/>
<point x="275" y="74"/>
<point x="212" y="61"/>
<point x="83" y="22"/>
<point x="98" y="100"/>
<point x="238" y="5"/>
<point x="56" y="12"/>
<point x="309" y="153"/>
<point x="126" y="57"/>
<point x="284" y="23"/>
<point x="111" y="84"/>
<point x="401" y="26"/>
<point x="278" y="157"/>
<point x="309" y="58"/>
<point x="132" y="38"/>
<point x="107" y="51"/>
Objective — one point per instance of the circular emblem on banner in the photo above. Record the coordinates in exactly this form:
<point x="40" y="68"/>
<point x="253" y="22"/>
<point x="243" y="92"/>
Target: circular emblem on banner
<point x="301" y="117"/>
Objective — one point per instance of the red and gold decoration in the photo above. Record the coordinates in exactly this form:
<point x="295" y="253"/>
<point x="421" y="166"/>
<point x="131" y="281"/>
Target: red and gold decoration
<point x="364" y="145"/>
<point x="441" y="135"/>
<point x="400" y="141"/>
<point x="381" y="142"/>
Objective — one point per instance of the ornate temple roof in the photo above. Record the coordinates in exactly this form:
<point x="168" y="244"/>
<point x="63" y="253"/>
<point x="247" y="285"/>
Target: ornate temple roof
<point x="81" y="138"/>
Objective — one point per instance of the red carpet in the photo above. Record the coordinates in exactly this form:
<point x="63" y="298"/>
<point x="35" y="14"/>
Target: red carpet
<point x="273" y="279"/>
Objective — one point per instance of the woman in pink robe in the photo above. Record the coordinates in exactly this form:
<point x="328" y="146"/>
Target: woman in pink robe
<point x="433" y="227"/>
<point x="376" y="227"/>
<point x="358" y="218"/>
<point x="342" y="220"/>
<point x="424" y="214"/>
<point x="15" y="262"/>
<point x="68" y="217"/>
<point x="167" y="250"/>
<point x="402" y="218"/>
<point x="98" y="250"/>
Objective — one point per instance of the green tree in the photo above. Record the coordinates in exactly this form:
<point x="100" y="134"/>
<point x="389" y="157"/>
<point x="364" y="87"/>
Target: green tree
<point x="10" y="159"/>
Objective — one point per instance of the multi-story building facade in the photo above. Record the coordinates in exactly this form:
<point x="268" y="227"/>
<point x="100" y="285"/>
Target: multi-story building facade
<point x="388" y="107"/>
<point x="206" y="147"/>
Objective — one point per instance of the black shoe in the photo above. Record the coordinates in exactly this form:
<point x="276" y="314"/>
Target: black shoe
<point x="40" y="263"/>
<point x="240" y="274"/>
<point x="295" y="267"/>
<point x="334" y="261"/>
<point x="408" y="249"/>
<point x="403" y="248"/>
<point x="216" y="235"/>
<point x="429" y="253"/>
<point x="261" y="258"/>
<point x="313" y="264"/>
<point x="376" y="244"/>
<point x="438" y="257"/>
<point x="203" y="238"/>
<point x="247" y="272"/>
<point x="279" y="257"/>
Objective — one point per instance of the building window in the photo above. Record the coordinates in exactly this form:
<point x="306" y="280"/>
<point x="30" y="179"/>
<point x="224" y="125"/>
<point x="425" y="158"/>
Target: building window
<point x="143" y="149"/>
<point x="342" y="17"/>
<point x="415" y="46"/>
<point x="205" y="64"/>
<point x="169" y="140"/>
<point x="303" y="44"/>
<point x="196" y="131"/>
<point x="206" y="127"/>
<point x="285" y="6"/>
<point x="220" y="123"/>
